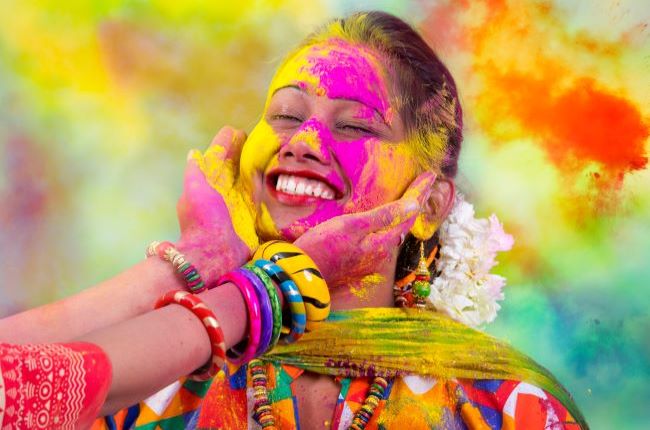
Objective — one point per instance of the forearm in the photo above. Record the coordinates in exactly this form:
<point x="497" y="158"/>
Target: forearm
<point x="142" y="355"/>
<point x="154" y="349"/>
<point x="122" y="297"/>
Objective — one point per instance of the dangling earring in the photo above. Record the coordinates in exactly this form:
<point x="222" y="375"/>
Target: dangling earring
<point x="413" y="289"/>
<point x="422" y="283"/>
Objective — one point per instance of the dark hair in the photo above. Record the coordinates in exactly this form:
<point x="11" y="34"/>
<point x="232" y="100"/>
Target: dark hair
<point x="424" y="92"/>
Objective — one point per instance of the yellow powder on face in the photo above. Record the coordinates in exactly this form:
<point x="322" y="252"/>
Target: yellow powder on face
<point x="265" y="224"/>
<point x="259" y="151"/>
<point x="296" y="68"/>
<point x="384" y="179"/>
<point x="311" y="138"/>
<point x="261" y="146"/>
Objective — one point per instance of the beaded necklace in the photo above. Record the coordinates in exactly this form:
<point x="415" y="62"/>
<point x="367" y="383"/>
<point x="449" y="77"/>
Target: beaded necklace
<point x="263" y="413"/>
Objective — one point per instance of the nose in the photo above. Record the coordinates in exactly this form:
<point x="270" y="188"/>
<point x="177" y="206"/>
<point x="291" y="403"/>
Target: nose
<point x="308" y="144"/>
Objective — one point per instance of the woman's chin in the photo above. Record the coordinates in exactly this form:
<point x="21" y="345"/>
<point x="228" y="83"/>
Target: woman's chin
<point x="272" y="224"/>
<point x="269" y="228"/>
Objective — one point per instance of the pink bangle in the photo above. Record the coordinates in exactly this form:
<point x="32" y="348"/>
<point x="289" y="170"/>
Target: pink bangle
<point x="234" y="354"/>
<point x="209" y="320"/>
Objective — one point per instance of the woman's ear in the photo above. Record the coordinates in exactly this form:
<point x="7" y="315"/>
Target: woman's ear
<point x="435" y="209"/>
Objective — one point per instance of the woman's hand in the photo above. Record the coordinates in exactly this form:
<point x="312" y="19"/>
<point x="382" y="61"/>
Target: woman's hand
<point x="216" y="218"/>
<point x="355" y="249"/>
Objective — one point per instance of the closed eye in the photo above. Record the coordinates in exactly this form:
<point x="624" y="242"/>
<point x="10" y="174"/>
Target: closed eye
<point x="284" y="117"/>
<point x="355" y="128"/>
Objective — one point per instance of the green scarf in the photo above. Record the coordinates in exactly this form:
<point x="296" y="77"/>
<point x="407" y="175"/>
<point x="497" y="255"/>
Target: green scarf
<point x="392" y="342"/>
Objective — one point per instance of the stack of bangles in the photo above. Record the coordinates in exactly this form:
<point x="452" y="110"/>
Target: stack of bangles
<point x="274" y="264"/>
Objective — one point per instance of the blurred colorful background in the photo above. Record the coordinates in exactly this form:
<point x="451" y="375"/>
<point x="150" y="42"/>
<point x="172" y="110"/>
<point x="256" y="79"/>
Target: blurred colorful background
<point x="100" y="102"/>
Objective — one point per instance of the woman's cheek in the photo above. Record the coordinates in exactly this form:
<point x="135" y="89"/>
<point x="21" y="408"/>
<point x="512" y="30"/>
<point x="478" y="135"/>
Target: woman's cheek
<point x="384" y="177"/>
<point x="260" y="147"/>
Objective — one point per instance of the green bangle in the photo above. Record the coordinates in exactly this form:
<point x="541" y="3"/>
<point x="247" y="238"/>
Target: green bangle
<point x="275" y="303"/>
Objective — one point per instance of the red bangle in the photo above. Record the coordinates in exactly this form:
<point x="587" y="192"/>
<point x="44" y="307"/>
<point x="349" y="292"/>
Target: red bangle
<point x="209" y="320"/>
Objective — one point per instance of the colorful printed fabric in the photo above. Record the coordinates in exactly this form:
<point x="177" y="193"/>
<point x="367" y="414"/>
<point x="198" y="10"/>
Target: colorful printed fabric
<point x="412" y="402"/>
<point x="396" y="342"/>
<point x="52" y="386"/>
<point x="465" y="379"/>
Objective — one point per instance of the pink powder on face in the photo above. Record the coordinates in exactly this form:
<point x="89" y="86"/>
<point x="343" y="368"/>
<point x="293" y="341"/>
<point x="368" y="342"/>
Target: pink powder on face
<point x="346" y="72"/>
<point x="370" y="168"/>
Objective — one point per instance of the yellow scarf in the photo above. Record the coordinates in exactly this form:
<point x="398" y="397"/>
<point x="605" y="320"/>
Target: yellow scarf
<point x="392" y="342"/>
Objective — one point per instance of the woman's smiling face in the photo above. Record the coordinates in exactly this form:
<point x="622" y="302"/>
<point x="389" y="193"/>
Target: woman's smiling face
<point x="330" y="142"/>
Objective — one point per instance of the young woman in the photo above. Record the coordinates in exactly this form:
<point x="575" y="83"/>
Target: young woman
<point x="353" y="161"/>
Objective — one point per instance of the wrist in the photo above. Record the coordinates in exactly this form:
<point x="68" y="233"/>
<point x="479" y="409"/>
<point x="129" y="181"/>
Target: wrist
<point x="210" y="262"/>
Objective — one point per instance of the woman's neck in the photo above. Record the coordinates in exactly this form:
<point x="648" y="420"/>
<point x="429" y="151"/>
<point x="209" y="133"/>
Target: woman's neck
<point x="373" y="291"/>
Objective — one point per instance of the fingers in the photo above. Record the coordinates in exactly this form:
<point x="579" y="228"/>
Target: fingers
<point x="226" y="145"/>
<point x="191" y="181"/>
<point x="220" y="162"/>
<point x="384" y="217"/>
<point x="401" y="211"/>
<point x="421" y="187"/>
<point x="193" y="177"/>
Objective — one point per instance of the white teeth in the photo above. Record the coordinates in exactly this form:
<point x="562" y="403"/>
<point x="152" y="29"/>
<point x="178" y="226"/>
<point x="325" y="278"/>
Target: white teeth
<point x="282" y="182"/>
<point x="291" y="185"/>
<point x="301" y="186"/>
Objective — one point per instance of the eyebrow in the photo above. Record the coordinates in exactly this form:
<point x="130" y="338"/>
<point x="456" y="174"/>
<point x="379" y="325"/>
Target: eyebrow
<point x="296" y="87"/>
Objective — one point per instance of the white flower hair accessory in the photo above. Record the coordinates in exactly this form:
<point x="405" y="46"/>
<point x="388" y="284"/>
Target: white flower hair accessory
<point x="464" y="288"/>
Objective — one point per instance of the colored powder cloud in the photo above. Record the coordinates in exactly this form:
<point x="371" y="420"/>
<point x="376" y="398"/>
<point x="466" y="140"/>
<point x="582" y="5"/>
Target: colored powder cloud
<point x="530" y="76"/>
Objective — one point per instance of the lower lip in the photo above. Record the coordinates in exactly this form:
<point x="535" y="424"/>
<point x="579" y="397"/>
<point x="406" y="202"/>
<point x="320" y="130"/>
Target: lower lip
<point x="293" y="199"/>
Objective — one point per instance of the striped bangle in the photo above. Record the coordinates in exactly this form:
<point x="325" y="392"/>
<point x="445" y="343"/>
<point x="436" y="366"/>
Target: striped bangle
<point x="303" y="272"/>
<point x="276" y="307"/>
<point x="235" y="354"/>
<point x="292" y="296"/>
<point x="209" y="320"/>
<point x="184" y="268"/>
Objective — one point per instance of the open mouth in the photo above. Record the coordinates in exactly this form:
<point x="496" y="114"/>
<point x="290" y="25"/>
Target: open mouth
<point x="301" y="187"/>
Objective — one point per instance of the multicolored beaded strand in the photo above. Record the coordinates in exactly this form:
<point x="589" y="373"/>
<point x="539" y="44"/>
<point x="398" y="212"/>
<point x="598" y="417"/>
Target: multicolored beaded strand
<point x="375" y="395"/>
<point x="184" y="268"/>
<point x="262" y="411"/>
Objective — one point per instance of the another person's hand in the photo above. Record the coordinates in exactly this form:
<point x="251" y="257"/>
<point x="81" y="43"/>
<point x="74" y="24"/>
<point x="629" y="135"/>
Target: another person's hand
<point x="356" y="249"/>
<point x="216" y="218"/>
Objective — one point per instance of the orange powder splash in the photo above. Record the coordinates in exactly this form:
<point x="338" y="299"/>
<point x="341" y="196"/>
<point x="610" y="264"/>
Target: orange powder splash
<point x="529" y="76"/>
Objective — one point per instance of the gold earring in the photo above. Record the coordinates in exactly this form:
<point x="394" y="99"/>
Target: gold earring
<point x="422" y="283"/>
